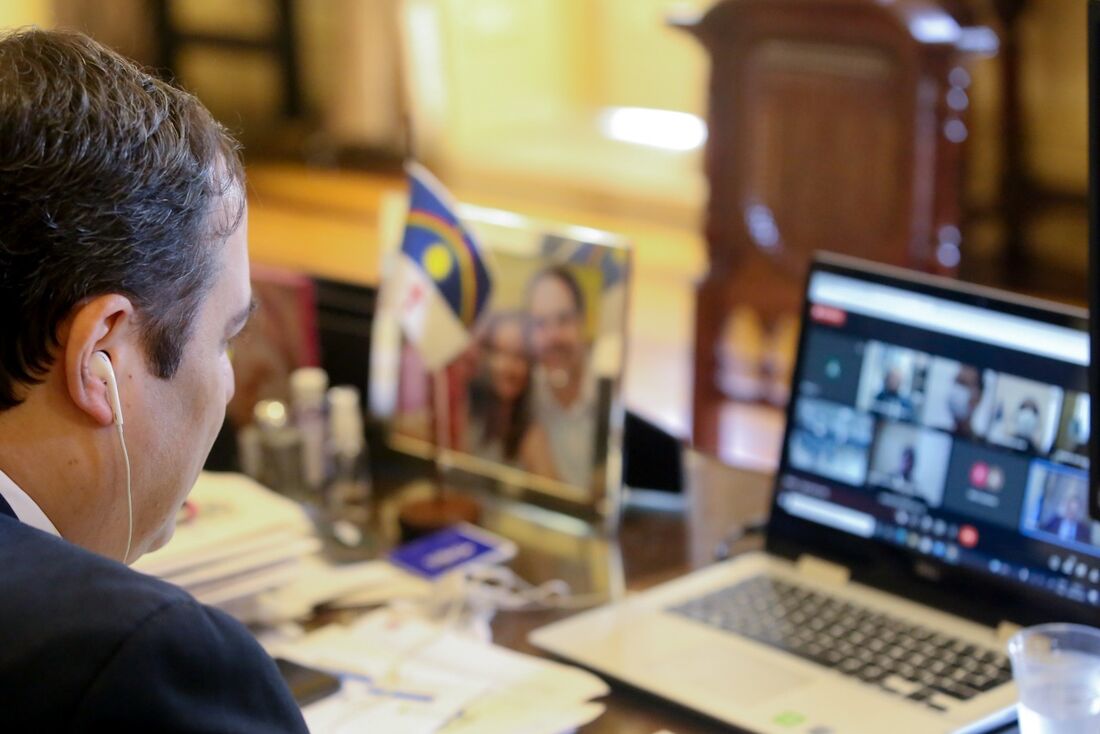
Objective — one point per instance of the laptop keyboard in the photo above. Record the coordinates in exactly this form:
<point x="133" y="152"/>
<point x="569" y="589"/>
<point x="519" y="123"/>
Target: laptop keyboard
<point x="908" y="660"/>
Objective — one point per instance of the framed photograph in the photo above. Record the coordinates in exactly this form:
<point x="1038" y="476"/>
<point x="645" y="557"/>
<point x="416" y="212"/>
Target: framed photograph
<point x="533" y="402"/>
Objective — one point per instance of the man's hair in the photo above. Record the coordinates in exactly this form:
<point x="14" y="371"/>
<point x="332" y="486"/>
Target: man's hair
<point x="563" y="274"/>
<point x="110" y="181"/>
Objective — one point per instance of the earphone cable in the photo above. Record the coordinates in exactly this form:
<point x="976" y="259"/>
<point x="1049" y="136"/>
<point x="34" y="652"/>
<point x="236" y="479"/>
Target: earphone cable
<point x="129" y="495"/>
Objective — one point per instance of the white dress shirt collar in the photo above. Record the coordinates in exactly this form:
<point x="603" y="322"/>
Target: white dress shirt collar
<point x="24" y="507"/>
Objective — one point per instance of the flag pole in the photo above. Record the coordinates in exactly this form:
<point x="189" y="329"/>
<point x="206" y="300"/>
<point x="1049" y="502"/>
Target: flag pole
<point x="441" y="394"/>
<point x="443" y="509"/>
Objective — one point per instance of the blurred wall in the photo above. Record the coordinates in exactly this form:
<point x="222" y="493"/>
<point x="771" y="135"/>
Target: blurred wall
<point x="506" y="98"/>
<point x="494" y="70"/>
<point x="124" y="25"/>
<point x="26" y="12"/>
<point x="348" y="59"/>
<point x="480" y="66"/>
<point x="513" y="85"/>
<point x="1054" y="71"/>
<point x="644" y="63"/>
<point x="1053" y="76"/>
<point x="348" y="64"/>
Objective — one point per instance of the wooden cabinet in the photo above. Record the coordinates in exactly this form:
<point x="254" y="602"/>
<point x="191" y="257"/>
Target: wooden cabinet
<point x="833" y="124"/>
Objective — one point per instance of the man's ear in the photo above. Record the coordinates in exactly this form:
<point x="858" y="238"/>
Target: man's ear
<point x="102" y="324"/>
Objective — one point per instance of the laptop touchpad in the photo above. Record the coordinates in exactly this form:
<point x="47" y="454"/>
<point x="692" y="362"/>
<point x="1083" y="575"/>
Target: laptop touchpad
<point x="736" y="678"/>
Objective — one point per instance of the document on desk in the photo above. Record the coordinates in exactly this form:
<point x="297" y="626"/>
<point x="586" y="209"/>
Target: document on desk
<point x="406" y="675"/>
<point x="236" y="540"/>
<point x="233" y="517"/>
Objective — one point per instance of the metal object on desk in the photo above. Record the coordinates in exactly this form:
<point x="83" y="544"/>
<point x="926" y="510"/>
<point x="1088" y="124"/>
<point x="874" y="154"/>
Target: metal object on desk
<point x="723" y="502"/>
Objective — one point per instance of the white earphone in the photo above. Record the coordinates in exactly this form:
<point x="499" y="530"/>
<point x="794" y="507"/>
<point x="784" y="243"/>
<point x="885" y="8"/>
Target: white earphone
<point x="101" y="368"/>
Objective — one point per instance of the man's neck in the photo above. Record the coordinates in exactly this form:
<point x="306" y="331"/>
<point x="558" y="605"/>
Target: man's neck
<point x="59" y="463"/>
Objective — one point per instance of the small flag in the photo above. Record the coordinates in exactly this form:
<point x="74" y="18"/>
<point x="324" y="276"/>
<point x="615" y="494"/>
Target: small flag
<point x="612" y="262"/>
<point x="443" y="277"/>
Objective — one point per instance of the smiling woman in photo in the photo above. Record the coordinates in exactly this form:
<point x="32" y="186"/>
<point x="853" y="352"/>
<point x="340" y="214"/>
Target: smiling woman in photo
<point x="501" y="427"/>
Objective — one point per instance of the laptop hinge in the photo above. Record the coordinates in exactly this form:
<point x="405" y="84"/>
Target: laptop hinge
<point x="822" y="570"/>
<point x="1005" y="630"/>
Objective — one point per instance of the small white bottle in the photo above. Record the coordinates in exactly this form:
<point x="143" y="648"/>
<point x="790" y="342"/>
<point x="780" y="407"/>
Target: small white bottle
<point x="307" y="401"/>
<point x="349" y="493"/>
<point x="281" y="449"/>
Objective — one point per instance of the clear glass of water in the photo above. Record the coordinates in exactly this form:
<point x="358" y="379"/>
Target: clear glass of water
<point x="1057" y="672"/>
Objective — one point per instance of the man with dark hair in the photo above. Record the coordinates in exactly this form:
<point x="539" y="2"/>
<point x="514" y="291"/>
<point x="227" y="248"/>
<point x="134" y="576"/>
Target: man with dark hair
<point x="565" y="390"/>
<point x="123" y="278"/>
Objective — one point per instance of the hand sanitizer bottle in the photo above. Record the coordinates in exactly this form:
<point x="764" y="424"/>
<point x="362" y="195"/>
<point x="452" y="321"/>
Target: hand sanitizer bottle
<point x="349" y="494"/>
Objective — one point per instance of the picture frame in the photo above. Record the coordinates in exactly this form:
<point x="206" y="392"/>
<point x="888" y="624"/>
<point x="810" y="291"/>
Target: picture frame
<point x="534" y="403"/>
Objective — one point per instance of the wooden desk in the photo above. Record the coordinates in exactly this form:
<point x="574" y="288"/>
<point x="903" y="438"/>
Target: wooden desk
<point x="656" y="546"/>
<point x="651" y="546"/>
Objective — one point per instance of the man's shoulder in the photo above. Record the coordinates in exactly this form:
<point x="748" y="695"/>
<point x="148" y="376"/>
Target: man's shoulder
<point x="88" y="643"/>
<point x="66" y="585"/>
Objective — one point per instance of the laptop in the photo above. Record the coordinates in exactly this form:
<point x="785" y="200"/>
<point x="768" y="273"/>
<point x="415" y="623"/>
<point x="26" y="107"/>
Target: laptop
<point x="930" y="499"/>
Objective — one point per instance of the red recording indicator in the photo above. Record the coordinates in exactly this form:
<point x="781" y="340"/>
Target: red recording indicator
<point x="968" y="536"/>
<point x="828" y="315"/>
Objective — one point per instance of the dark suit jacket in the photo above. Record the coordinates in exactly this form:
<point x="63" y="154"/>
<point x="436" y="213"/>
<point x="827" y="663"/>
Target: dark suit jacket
<point x="87" y="644"/>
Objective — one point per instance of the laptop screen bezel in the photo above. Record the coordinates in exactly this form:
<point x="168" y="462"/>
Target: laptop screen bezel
<point x="979" y="596"/>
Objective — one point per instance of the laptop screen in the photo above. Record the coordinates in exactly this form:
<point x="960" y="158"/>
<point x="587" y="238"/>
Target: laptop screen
<point x="947" y="424"/>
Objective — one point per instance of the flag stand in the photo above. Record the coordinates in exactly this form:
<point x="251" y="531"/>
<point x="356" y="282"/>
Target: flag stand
<point x="444" y="508"/>
<point x="446" y="287"/>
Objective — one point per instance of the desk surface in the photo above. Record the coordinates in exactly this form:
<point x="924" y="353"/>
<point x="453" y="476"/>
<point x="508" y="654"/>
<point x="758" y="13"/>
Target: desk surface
<point x="652" y="545"/>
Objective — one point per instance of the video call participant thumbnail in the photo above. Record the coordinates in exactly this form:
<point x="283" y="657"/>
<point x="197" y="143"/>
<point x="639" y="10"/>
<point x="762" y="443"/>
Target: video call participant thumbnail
<point x="123" y="279"/>
<point x="1057" y="498"/>
<point x="986" y="483"/>
<point x="891" y="383"/>
<point x="1026" y="414"/>
<point x="831" y="440"/>
<point x="1072" y="444"/>
<point x="911" y="460"/>
<point x="959" y="399"/>
<point x="832" y="367"/>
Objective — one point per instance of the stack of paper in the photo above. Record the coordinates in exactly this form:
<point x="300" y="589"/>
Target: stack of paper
<point x="408" y="676"/>
<point x="352" y="585"/>
<point x="235" y="539"/>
